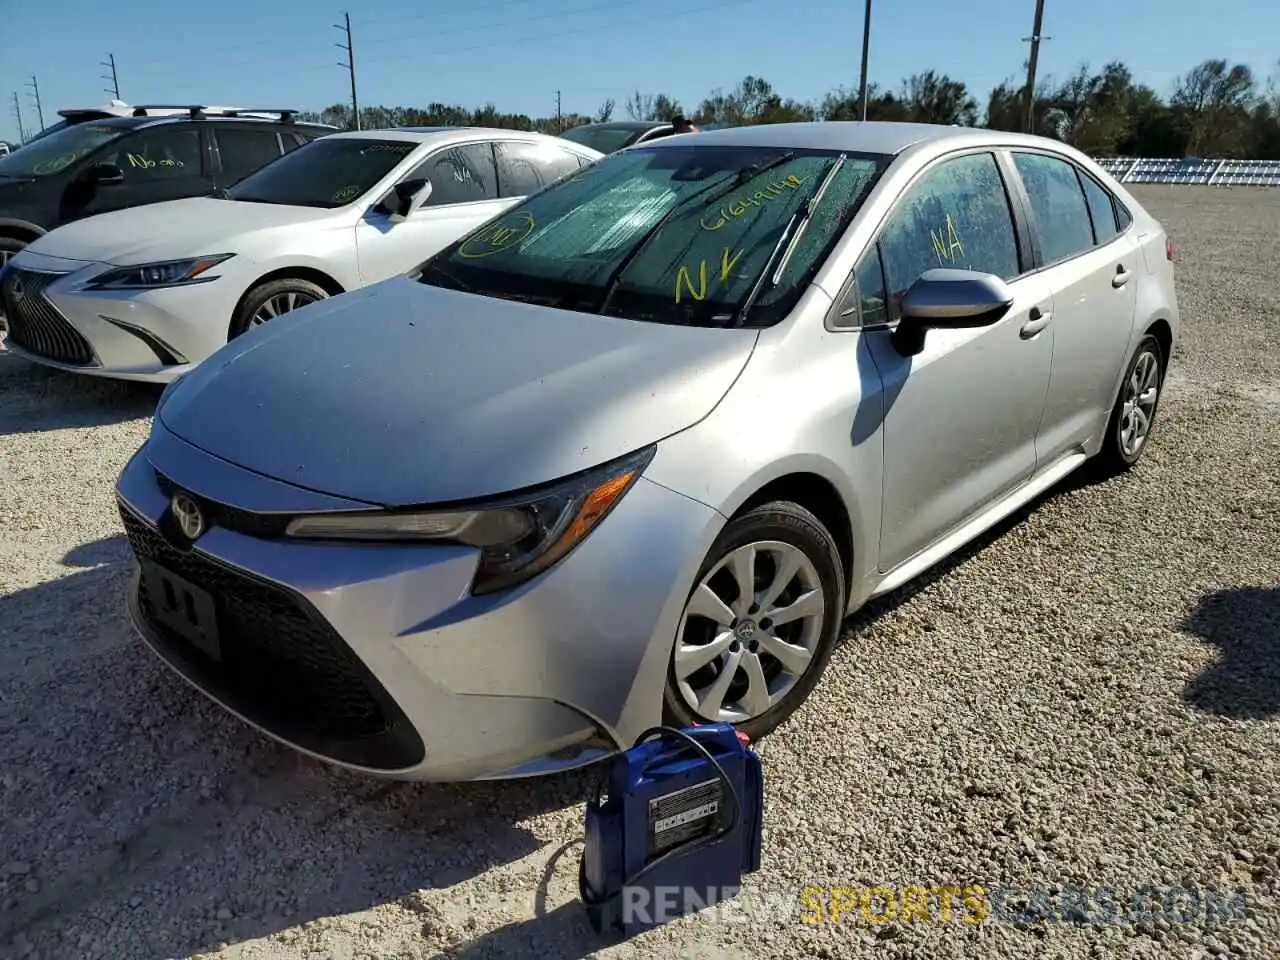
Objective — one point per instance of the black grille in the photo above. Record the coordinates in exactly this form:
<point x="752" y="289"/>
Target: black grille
<point x="35" y="324"/>
<point x="263" y="525"/>
<point x="282" y="666"/>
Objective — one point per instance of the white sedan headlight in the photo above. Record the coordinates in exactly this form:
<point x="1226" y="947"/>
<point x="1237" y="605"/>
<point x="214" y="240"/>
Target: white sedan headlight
<point x="518" y="537"/>
<point x="165" y="273"/>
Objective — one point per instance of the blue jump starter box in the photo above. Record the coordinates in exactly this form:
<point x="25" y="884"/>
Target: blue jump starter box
<point x="680" y="823"/>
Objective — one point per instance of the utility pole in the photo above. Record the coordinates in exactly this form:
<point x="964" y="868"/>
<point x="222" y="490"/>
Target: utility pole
<point x="35" y="87"/>
<point x="866" y="52"/>
<point x="17" y="112"/>
<point x="1035" y="38"/>
<point x="350" y="65"/>
<point x="559" y="121"/>
<point x="110" y="63"/>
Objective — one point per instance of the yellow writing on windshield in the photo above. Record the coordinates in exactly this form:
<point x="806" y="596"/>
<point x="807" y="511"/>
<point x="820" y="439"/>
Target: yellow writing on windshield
<point x="946" y="242"/>
<point x="496" y="238"/>
<point x="685" y="277"/>
<point x="736" y="208"/>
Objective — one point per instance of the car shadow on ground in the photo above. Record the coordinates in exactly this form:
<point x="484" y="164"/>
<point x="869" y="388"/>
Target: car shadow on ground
<point x="36" y="398"/>
<point x="1244" y="624"/>
<point x="150" y="823"/>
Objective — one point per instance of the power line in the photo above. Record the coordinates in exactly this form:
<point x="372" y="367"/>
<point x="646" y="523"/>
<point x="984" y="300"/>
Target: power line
<point x="110" y="63"/>
<point x="1035" y="39"/>
<point x="35" y="94"/>
<point x="612" y="26"/>
<point x="350" y="65"/>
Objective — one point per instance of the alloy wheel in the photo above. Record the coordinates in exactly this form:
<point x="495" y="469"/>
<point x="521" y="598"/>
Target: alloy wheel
<point x="281" y="303"/>
<point x="749" y="632"/>
<point x="1141" y="392"/>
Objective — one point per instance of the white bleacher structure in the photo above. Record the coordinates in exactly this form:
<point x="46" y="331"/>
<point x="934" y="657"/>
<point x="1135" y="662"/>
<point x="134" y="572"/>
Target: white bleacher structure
<point x="1217" y="173"/>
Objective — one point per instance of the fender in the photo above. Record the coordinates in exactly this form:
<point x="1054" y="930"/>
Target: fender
<point x="24" y="226"/>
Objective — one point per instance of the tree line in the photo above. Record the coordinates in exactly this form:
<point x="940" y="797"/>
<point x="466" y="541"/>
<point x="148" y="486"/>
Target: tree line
<point x="1216" y="110"/>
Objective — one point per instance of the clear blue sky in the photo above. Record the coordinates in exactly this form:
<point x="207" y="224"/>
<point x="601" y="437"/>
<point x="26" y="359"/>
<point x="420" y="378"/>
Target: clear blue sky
<point x="516" y="53"/>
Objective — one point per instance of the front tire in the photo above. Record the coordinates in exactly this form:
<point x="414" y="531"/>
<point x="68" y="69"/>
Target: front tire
<point x="1133" y="416"/>
<point x="761" y="623"/>
<point x="274" y="298"/>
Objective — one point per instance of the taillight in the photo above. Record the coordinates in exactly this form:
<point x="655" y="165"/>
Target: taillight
<point x="1168" y="249"/>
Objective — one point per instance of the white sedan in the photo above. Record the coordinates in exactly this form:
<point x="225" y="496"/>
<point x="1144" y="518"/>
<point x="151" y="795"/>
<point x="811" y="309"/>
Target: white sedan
<point x="147" y="293"/>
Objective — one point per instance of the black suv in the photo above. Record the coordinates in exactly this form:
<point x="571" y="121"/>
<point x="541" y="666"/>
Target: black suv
<point x="118" y="162"/>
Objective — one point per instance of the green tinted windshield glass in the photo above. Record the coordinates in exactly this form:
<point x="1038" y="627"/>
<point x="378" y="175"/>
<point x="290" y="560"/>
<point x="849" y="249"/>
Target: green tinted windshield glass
<point x="328" y="172"/>
<point x="725" y="210"/>
<point x="58" y="151"/>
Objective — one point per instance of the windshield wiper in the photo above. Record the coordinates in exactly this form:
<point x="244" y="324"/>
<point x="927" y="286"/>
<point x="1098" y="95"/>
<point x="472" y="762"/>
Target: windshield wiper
<point x="786" y="245"/>
<point x="709" y="194"/>
<point x="432" y="265"/>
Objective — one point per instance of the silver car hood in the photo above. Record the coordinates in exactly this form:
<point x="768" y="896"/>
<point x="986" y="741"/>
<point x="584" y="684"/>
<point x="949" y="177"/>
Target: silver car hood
<point x="403" y="393"/>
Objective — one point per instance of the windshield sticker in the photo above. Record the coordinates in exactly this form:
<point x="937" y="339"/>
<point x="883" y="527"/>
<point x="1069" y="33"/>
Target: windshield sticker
<point x="55" y="164"/>
<point x="346" y="194"/>
<point x="684" y="276"/>
<point x="946" y="242"/>
<point x="498" y="237"/>
<point x="737" y="208"/>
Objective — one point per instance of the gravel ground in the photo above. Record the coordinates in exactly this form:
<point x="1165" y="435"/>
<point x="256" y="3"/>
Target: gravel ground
<point x="1088" y="698"/>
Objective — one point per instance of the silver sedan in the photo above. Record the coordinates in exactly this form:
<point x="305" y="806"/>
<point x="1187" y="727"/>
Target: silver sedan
<point x="631" y="451"/>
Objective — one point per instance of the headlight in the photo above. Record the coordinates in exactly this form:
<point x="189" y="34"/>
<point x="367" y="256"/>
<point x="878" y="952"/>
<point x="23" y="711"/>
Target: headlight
<point x="166" y="273"/>
<point x="518" y="537"/>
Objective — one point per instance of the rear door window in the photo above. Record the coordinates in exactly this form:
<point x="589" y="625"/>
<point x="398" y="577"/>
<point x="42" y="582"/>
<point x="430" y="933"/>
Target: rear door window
<point x="245" y="150"/>
<point x="1059" y="211"/>
<point x="525" y="168"/>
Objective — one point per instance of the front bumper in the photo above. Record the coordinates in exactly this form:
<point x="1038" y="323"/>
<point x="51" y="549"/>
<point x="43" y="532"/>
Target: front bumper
<point x="376" y="658"/>
<point x="148" y="335"/>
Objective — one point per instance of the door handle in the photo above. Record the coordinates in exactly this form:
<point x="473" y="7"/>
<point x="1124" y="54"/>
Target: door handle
<point x="1121" y="278"/>
<point x="1037" y="320"/>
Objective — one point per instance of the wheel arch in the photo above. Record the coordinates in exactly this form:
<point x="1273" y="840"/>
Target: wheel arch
<point x="20" y="229"/>
<point x="1160" y="328"/>
<point x="321" y="279"/>
<point x="821" y="497"/>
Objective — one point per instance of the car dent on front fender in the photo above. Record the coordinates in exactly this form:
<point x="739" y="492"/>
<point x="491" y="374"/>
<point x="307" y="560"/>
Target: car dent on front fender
<point x="457" y="401"/>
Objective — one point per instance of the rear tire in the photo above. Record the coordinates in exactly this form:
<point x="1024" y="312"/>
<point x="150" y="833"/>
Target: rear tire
<point x="794" y="571"/>
<point x="272" y="299"/>
<point x="1133" y="416"/>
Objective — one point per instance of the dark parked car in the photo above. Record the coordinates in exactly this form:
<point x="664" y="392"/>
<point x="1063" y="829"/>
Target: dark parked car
<point x="616" y="134"/>
<point x="116" y="162"/>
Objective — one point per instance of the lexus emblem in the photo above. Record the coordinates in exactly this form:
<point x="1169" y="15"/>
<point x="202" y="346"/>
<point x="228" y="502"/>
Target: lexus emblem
<point x="16" y="288"/>
<point x="187" y="513"/>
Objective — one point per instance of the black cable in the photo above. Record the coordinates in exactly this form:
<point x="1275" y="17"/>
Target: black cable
<point x="588" y="896"/>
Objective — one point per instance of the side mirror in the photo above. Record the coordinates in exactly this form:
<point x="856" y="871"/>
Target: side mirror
<point x="949" y="300"/>
<point x="106" y="174"/>
<point x="404" y="197"/>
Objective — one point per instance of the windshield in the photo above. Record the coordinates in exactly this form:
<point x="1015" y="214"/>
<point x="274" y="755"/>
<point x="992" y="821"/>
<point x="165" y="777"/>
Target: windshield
<point x="47" y="155"/>
<point x="589" y="243"/>
<point x="329" y="172"/>
<point x="604" y="139"/>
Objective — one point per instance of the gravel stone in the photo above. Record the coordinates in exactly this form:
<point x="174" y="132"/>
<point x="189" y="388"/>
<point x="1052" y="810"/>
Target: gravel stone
<point x="1089" y="697"/>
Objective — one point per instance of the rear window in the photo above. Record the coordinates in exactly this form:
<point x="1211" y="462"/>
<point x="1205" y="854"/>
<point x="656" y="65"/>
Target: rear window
<point x="603" y="138"/>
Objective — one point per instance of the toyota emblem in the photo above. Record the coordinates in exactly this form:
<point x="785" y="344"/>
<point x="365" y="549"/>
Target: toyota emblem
<point x="187" y="513"/>
<point x="16" y="289"/>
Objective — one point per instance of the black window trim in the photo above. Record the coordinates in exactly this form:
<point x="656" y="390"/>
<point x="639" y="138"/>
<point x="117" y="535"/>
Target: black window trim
<point x="1117" y="205"/>
<point x="1019" y="208"/>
